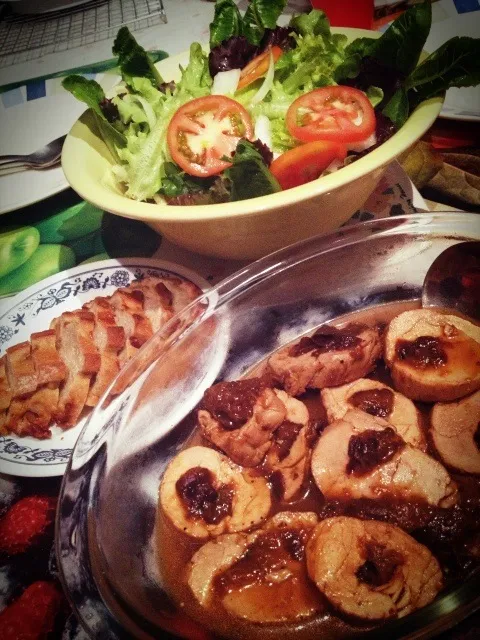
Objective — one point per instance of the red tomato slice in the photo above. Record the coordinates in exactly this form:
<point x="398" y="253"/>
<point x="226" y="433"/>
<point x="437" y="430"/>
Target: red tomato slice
<point x="306" y="162"/>
<point x="205" y="130"/>
<point x="258" y="67"/>
<point x="338" y="113"/>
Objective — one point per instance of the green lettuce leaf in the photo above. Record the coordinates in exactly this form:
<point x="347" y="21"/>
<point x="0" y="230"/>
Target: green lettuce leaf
<point x="248" y="175"/>
<point x="92" y="94"/>
<point x="402" y="43"/>
<point x="133" y="60"/>
<point x="398" y="108"/>
<point x="145" y="168"/>
<point x="261" y="15"/>
<point x="454" y="64"/>
<point x="314" y="22"/>
<point x="227" y="22"/>
<point x="375" y="95"/>
<point x="177" y="183"/>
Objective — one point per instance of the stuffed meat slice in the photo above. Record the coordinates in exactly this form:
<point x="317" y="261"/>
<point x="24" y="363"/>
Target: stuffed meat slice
<point x="433" y="356"/>
<point x="455" y="431"/>
<point x="204" y="494"/>
<point x="240" y="417"/>
<point x="376" y="399"/>
<point x="371" y="570"/>
<point x="328" y="358"/>
<point x="260" y="577"/>
<point x="288" y="460"/>
<point x="362" y="456"/>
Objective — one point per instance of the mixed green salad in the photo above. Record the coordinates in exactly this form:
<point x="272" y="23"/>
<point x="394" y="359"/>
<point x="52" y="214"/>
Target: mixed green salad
<point x="268" y="107"/>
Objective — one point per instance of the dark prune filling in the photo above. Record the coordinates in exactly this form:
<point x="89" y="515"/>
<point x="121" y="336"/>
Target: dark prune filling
<point x="423" y="353"/>
<point x="231" y="403"/>
<point x="371" y="448"/>
<point x="201" y="499"/>
<point x="376" y="402"/>
<point x="380" y="565"/>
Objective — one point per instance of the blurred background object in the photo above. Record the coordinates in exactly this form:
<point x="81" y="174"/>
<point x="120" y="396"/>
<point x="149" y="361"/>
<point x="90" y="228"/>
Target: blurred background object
<point x="57" y="25"/>
<point x="347" y="13"/>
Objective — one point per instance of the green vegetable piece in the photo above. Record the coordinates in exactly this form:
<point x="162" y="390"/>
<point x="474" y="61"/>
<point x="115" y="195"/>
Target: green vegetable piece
<point x="314" y="22"/>
<point x="17" y="244"/>
<point x="47" y="260"/>
<point x="354" y="52"/>
<point x="133" y="60"/>
<point x="196" y="80"/>
<point x="375" y="95"/>
<point x="85" y="90"/>
<point x="227" y="22"/>
<point x="454" y="64"/>
<point x="261" y="15"/>
<point x="249" y="176"/>
<point x="76" y="221"/>
<point x="402" y="43"/>
<point x="144" y="170"/>
<point x="92" y="94"/>
<point x="398" y="108"/>
<point x="177" y="183"/>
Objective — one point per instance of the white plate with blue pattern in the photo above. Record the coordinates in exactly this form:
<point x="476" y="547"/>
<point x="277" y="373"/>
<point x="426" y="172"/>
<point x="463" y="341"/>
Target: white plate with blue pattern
<point x="33" y="310"/>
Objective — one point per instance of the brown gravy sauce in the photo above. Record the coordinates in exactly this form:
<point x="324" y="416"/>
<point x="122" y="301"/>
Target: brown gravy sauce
<point x="328" y="338"/>
<point x="447" y="532"/>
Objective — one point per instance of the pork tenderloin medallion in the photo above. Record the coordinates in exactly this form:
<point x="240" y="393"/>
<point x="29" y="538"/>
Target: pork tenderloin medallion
<point x="288" y="460"/>
<point x="362" y="456"/>
<point x="371" y="570"/>
<point x="328" y="358"/>
<point x="433" y="356"/>
<point x="239" y="417"/>
<point x="455" y="432"/>
<point x="379" y="400"/>
<point x="260" y="577"/>
<point x="204" y="494"/>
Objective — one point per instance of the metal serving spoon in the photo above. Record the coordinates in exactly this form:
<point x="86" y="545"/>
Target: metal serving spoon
<point x="42" y="158"/>
<point x="453" y="280"/>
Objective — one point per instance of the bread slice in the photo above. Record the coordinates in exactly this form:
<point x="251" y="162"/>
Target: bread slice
<point x="32" y="414"/>
<point x="129" y="314"/>
<point x="74" y="340"/>
<point x="49" y="367"/>
<point x="433" y="356"/>
<point x="157" y="300"/>
<point x="20" y="369"/>
<point x="5" y="395"/>
<point x="109" y="339"/>
<point x="183" y="291"/>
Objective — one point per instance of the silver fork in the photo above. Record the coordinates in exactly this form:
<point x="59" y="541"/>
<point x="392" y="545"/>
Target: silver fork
<point x="47" y="156"/>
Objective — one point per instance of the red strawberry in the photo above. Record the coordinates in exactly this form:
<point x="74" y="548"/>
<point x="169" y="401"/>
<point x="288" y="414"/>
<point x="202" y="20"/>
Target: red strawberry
<point x="32" y="615"/>
<point x="25" y="522"/>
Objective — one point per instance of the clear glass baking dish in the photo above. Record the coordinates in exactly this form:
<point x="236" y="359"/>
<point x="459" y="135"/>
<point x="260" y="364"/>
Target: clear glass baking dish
<point x="108" y="501"/>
